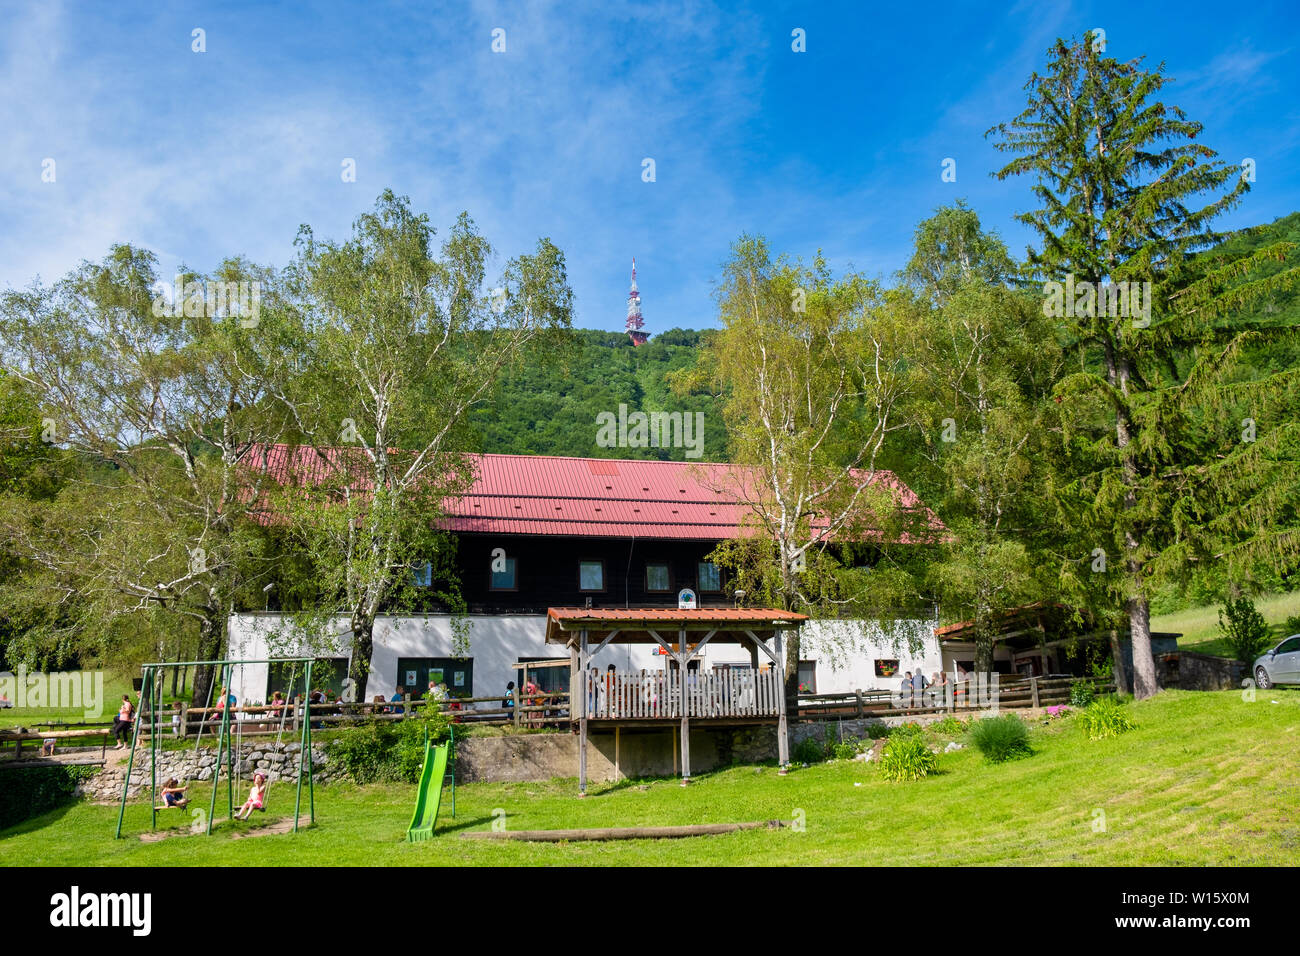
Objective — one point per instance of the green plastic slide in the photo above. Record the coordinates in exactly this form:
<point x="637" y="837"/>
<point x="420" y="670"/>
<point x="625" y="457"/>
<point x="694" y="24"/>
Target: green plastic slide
<point x="430" y="793"/>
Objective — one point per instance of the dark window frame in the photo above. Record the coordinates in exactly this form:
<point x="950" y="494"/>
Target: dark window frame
<point x="513" y="588"/>
<point x="668" y="570"/>
<point x="603" y="584"/>
<point x="699" y="585"/>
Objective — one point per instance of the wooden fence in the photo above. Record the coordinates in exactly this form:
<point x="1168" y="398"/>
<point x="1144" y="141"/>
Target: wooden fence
<point x="1007" y="693"/>
<point x="664" y="695"/>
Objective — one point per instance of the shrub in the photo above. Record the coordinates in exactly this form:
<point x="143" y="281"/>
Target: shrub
<point x="1001" y="738"/>
<point x="1105" y="717"/>
<point x="907" y="757"/>
<point x="876" y="731"/>
<point x="1244" y="629"/>
<point x="1082" y="693"/>
<point x="808" y="751"/>
<point x="1291" y="625"/>
<point x="846" y="749"/>
<point x="389" y="750"/>
<point x="31" y="791"/>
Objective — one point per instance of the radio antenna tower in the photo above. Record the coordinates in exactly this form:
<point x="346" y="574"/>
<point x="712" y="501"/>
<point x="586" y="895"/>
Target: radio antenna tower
<point x="634" y="321"/>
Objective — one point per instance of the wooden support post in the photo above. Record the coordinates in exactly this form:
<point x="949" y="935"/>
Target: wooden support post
<point x="519" y="697"/>
<point x="782" y="735"/>
<point x="582" y="722"/>
<point x="683" y="661"/>
<point x="857" y="693"/>
<point x="1033" y="689"/>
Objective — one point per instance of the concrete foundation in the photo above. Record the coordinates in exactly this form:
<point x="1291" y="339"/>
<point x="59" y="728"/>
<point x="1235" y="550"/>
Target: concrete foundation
<point x="611" y="755"/>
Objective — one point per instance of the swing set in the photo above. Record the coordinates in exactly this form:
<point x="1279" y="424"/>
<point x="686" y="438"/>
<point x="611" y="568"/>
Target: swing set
<point x="151" y="692"/>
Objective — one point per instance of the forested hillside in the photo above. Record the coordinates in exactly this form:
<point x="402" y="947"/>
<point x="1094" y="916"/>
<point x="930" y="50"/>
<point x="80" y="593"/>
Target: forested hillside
<point x="550" y="408"/>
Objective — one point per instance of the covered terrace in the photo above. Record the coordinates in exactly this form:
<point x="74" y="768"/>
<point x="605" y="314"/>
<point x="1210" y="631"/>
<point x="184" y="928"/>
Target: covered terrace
<point x="677" y="694"/>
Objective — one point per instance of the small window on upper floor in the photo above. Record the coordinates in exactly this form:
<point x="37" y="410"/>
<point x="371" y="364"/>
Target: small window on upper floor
<point x="503" y="576"/>
<point x="591" y="576"/>
<point x="656" y="576"/>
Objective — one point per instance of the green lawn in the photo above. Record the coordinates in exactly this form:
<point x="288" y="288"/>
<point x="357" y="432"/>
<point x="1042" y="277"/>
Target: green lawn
<point x="1206" y="778"/>
<point x="1200" y="625"/>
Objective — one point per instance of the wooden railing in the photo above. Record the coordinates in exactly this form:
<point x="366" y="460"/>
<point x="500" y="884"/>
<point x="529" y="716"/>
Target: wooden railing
<point x="65" y="739"/>
<point x="269" y="720"/>
<point x="665" y="695"/>
<point x="1010" y="691"/>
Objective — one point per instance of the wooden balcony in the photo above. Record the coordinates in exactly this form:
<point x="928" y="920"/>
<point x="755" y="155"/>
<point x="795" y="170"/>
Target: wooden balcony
<point x="731" y="695"/>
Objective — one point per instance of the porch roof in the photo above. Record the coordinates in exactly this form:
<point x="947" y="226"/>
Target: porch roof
<point x="634" y="624"/>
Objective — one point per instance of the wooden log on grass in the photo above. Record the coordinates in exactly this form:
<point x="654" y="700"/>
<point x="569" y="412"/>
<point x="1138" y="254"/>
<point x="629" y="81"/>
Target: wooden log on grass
<point x="620" y="833"/>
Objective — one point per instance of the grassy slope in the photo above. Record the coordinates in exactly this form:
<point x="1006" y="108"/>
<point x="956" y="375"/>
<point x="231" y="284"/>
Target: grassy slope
<point x="1200" y="625"/>
<point x="1205" y="779"/>
<point x="115" y="686"/>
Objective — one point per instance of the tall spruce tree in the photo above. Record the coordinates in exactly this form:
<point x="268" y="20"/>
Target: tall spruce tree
<point x="1175" y="450"/>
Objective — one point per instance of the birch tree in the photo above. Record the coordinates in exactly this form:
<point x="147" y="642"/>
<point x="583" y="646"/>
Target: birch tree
<point x="983" y="362"/>
<point x="162" y="399"/>
<point x="813" y="371"/>
<point x="400" y="341"/>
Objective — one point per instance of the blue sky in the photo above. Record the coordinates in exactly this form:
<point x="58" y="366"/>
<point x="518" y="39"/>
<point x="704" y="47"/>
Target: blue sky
<point x="197" y="156"/>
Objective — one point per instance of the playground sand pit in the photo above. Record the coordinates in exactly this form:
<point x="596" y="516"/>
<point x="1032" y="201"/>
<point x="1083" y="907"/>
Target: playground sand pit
<point x="284" y="825"/>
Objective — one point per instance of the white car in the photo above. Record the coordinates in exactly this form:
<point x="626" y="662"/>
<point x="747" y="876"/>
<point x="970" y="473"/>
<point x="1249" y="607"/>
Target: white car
<point x="1281" y="665"/>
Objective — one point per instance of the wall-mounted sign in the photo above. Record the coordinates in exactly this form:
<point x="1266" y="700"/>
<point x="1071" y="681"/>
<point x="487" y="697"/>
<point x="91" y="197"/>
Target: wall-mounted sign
<point x="411" y="678"/>
<point x="686" y="600"/>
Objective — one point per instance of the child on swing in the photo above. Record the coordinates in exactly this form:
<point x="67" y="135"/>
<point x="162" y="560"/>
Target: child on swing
<point x="173" y="794"/>
<point x="256" y="797"/>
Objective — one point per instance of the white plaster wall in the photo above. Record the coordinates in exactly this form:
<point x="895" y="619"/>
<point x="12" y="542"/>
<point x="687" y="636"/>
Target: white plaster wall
<point x="845" y="651"/>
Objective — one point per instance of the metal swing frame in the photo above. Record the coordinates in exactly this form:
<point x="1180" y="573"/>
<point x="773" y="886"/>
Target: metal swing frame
<point x="151" y="691"/>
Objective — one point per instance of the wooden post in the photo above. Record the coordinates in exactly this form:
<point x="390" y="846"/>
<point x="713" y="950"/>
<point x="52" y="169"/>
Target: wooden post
<point x="782" y="736"/>
<point x="857" y="693"/>
<point x="1033" y="689"/>
<point x="582" y="721"/>
<point x="682" y="664"/>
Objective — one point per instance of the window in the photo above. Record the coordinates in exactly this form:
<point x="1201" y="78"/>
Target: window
<point x="807" y="677"/>
<point x="327" y="673"/>
<point x="591" y="576"/>
<point x="422" y="575"/>
<point x="414" y="674"/>
<point x="1290" y="645"/>
<point x="656" y="577"/>
<point x="708" y="576"/>
<point x="504" y="580"/>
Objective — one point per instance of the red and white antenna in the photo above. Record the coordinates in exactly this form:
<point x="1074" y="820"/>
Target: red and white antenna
<point x="634" y="320"/>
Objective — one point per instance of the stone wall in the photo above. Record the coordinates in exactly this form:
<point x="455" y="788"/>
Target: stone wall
<point x="278" y="761"/>
<point x="858" y="727"/>
<point x="1188" y="670"/>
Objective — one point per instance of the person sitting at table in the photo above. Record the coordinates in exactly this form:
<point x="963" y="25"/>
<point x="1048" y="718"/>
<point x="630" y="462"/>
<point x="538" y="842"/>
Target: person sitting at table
<point x="398" y="698"/>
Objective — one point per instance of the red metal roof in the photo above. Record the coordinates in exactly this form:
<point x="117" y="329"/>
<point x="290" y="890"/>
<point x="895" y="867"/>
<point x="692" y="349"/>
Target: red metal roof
<point x="635" y="623"/>
<point x="673" y="615"/>
<point x="587" y="497"/>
